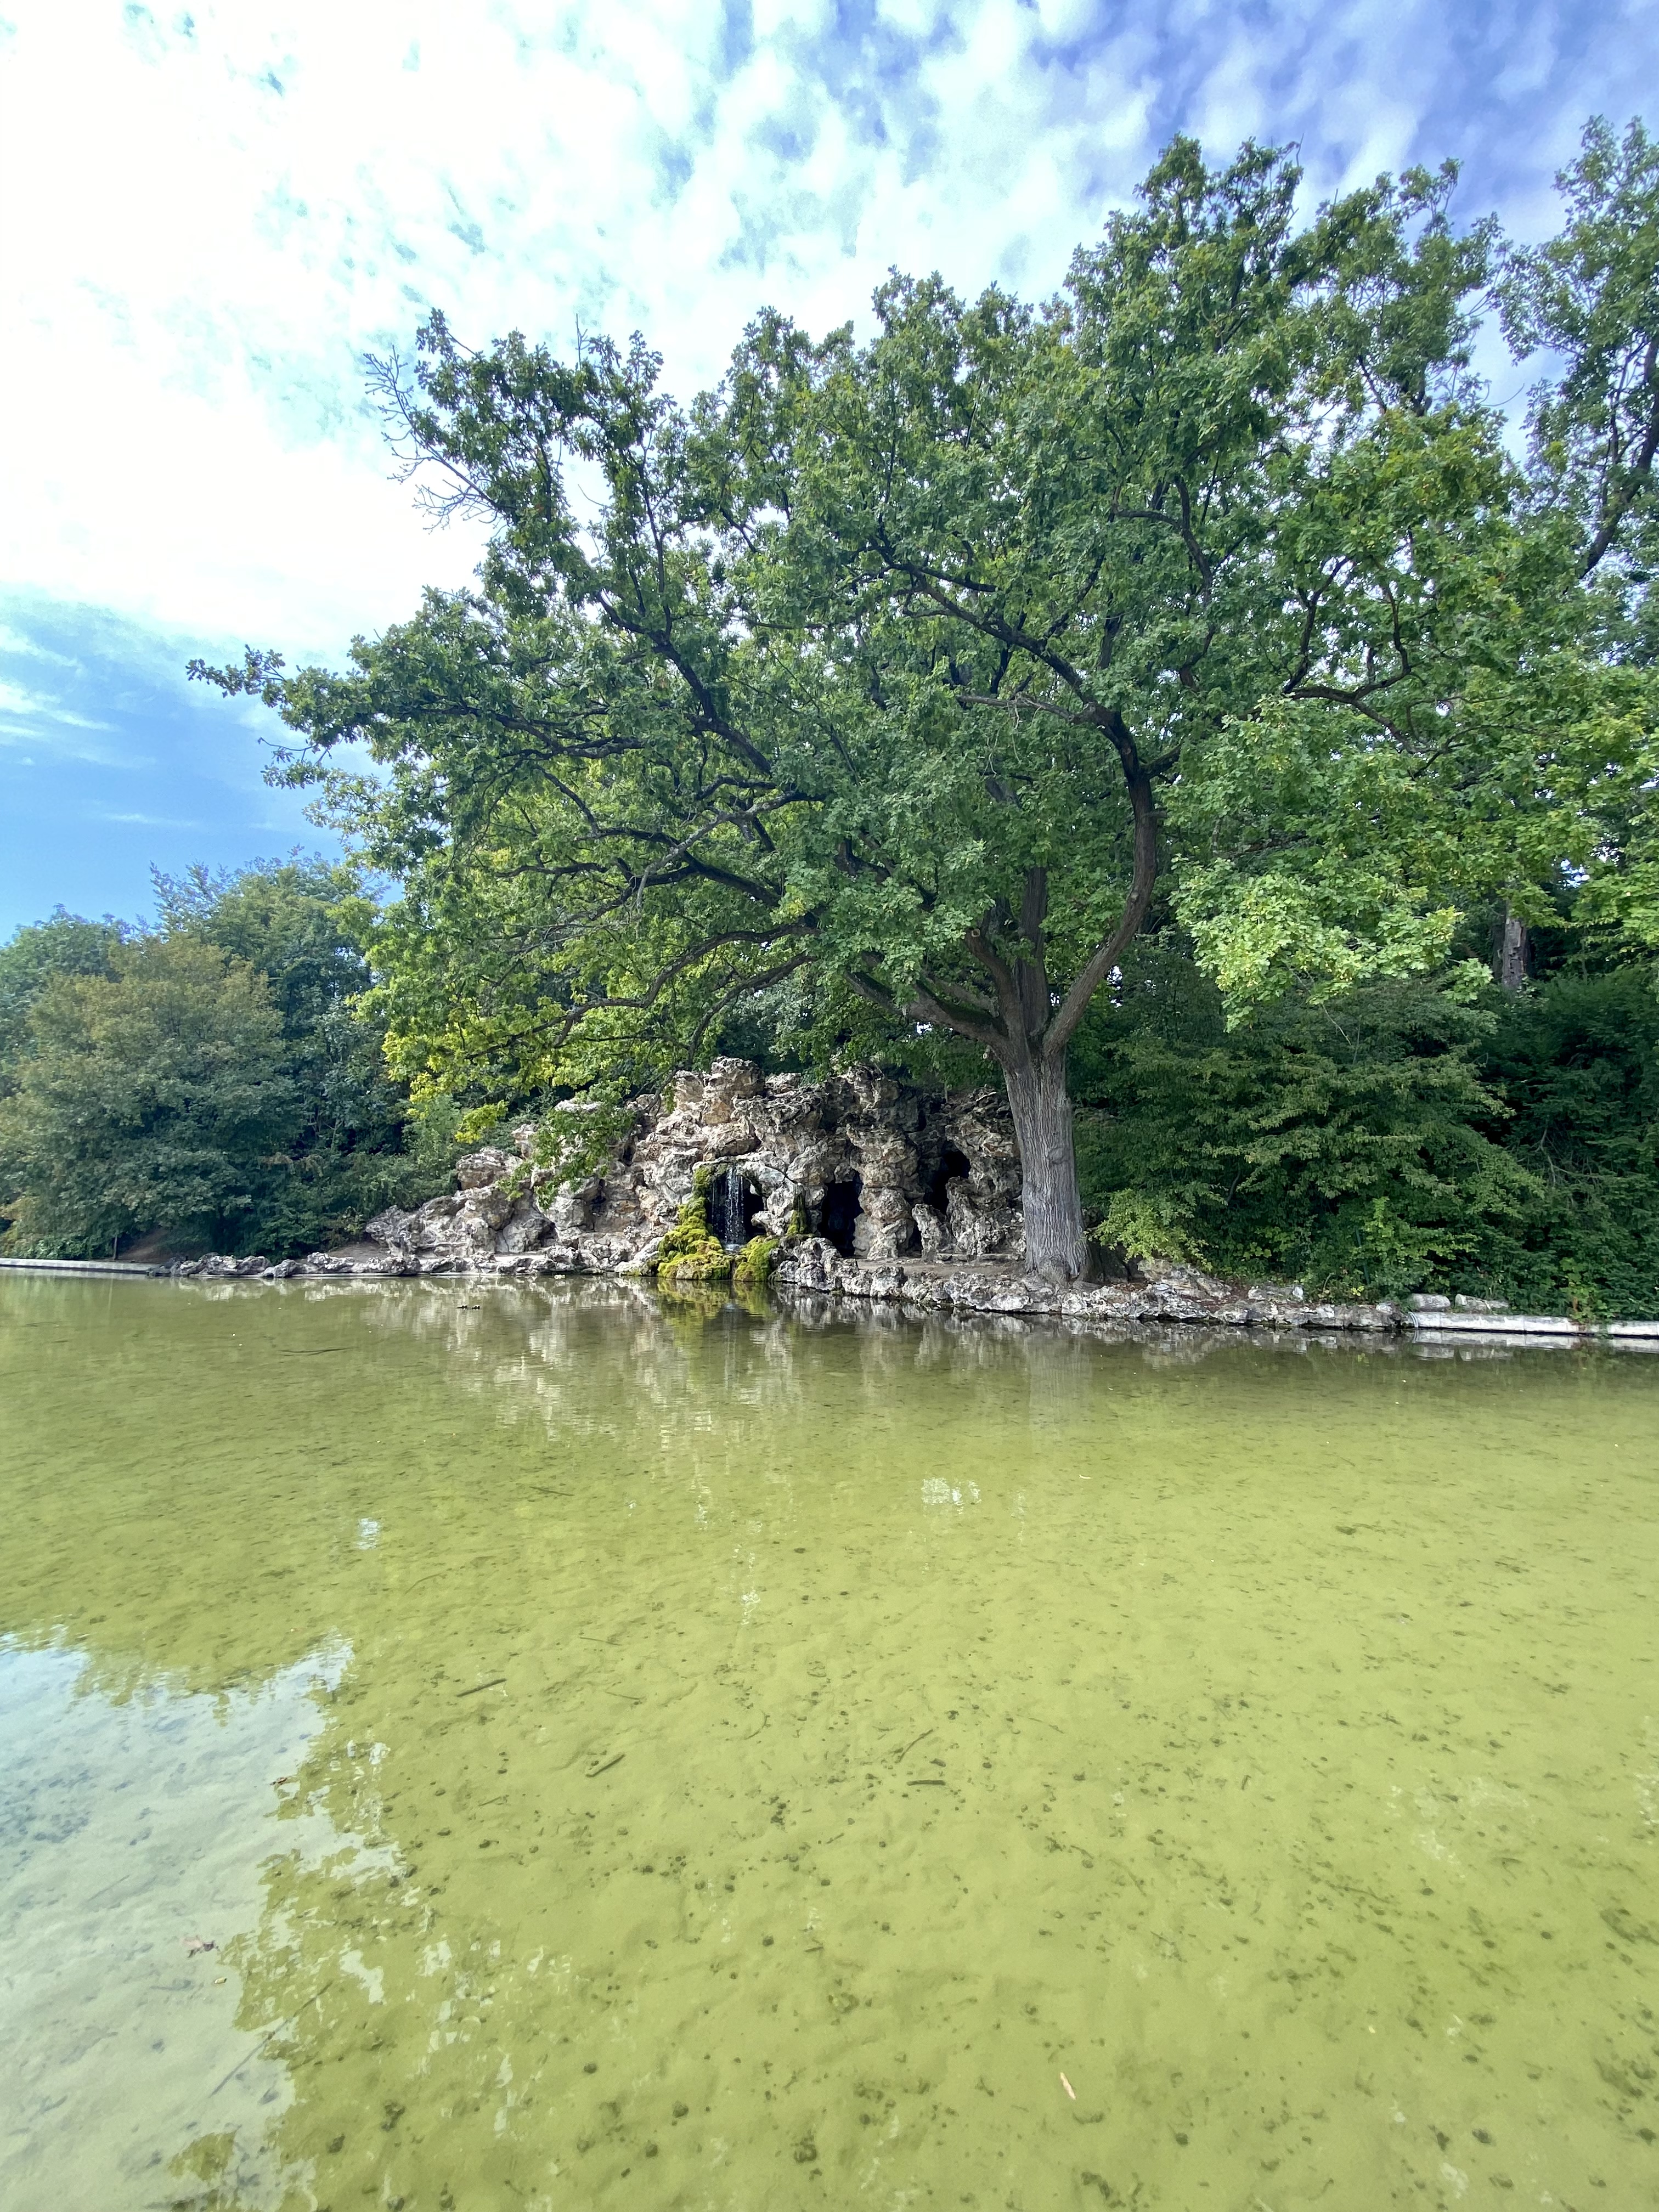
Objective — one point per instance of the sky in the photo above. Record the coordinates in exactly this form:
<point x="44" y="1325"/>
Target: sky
<point x="207" y="215"/>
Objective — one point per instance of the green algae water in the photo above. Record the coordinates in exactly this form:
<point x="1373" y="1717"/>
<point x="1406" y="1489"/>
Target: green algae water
<point x="626" y="1755"/>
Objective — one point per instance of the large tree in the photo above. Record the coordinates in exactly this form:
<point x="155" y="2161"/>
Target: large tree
<point x="894" y="675"/>
<point x="152" y="1097"/>
<point x="214" y="1078"/>
<point x="63" y="945"/>
<point x="1589" y="298"/>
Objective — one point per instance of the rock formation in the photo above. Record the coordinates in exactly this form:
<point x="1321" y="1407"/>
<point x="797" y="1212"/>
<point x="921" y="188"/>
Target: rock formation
<point x="869" y="1169"/>
<point x="872" y="1188"/>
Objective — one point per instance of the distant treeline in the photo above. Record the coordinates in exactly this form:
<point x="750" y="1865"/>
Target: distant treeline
<point x="211" y="1082"/>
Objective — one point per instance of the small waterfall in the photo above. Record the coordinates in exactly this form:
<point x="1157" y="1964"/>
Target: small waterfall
<point x="732" y="1211"/>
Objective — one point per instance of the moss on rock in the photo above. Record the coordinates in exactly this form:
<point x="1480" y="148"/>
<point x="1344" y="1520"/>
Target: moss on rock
<point x="691" y="1253"/>
<point x="753" y="1267"/>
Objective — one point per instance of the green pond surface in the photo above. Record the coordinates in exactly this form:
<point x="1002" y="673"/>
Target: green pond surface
<point x="636" y="1755"/>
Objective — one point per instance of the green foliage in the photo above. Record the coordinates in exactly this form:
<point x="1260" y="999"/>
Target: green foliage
<point x="1588" y="300"/>
<point x="1395" y="1138"/>
<point x="575" y="1140"/>
<point x="691" y="1253"/>
<point x="1519" y="759"/>
<point x="303" y="923"/>
<point x="1342" y="1144"/>
<point x="333" y="1156"/>
<point x="63" y="945"/>
<point x="306" y="925"/>
<point x="1591" y="295"/>
<point x="752" y="1269"/>
<point x="153" y="1097"/>
<point x="1145" y="1225"/>
<point x="1576" y="1061"/>
<point x="434" y="1137"/>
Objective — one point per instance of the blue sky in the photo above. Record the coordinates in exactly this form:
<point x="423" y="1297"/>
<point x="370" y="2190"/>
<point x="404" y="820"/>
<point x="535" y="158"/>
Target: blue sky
<point x="208" y="214"/>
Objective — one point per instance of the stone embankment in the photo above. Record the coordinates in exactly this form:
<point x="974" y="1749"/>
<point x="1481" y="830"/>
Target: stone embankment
<point x="84" y="1266"/>
<point x="1156" y="1294"/>
<point x="871" y="1189"/>
<point x="1478" y="1317"/>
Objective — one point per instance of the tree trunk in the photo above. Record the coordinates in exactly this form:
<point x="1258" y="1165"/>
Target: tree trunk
<point x="1513" y="947"/>
<point x="1055" y="1246"/>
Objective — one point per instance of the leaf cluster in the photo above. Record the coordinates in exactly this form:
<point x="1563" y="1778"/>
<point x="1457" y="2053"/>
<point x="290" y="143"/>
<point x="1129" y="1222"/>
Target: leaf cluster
<point x="215" y="1079"/>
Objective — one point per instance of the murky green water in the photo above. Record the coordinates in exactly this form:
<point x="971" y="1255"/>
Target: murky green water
<point x="733" y="1762"/>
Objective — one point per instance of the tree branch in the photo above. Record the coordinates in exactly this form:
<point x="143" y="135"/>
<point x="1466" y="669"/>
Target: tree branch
<point x="1637" y="477"/>
<point x="926" y="1005"/>
<point x="1107" y="955"/>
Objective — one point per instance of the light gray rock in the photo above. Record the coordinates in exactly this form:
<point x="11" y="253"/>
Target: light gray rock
<point x="812" y="1263"/>
<point x="572" y="1210"/>
<point x="876" y="1191"/>
<point x="221" y="1267"/>
<point x="486" y="1167"/>
<point x="525" y="1228"/>
<point x="1177" y="1281"/>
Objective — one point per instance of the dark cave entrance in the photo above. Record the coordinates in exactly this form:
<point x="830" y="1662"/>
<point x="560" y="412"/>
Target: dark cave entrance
<point x="952" y="1163"/>
<point x="840" y="1210"/>
<point x="733" y="1203"/>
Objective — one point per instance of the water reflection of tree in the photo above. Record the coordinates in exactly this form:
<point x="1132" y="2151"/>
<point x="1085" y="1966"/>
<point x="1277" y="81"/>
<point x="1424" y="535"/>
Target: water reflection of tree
<point x="240" y="1438"/>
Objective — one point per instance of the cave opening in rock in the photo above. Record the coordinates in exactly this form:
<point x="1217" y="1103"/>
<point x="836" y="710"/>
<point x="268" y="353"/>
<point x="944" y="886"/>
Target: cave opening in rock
<point x="952" y="1163"/>
<point x="733" y="1201"/>
<point x="840" y="1210"/>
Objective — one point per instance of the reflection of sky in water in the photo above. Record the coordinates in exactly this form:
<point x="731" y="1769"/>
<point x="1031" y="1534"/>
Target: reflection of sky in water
<point x="129" y="1831"/>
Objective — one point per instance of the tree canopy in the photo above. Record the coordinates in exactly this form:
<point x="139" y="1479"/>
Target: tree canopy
<point x="214" y="1080"/>
<point x="63" y="945"/>
<point x="893" y="685"/>
<point x="150" y="1096"/>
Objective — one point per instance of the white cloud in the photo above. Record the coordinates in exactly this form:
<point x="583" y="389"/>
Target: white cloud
<point x="15" y="645"/>
<point x="224" y="209"/>
<point x="15" y="699"/>
<point x="152" y="821"/>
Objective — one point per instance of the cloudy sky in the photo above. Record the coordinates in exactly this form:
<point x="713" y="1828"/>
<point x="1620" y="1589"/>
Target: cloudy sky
<point x="207" y="216"/>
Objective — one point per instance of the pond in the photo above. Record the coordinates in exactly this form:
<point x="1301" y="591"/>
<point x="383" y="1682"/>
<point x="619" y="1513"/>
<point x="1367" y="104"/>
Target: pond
<point x="635" y="1755"/>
